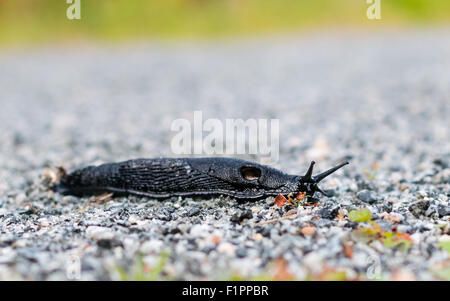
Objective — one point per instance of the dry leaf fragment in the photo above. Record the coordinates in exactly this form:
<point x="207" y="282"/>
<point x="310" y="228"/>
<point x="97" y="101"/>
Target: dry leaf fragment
<point x="103" y="198"/>
<point x="300" y="195"/>
<point x="280" y="201"/>
<point x="291" y="212"/>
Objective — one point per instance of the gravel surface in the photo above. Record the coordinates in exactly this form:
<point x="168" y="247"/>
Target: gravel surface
<point x="380" y="101"/>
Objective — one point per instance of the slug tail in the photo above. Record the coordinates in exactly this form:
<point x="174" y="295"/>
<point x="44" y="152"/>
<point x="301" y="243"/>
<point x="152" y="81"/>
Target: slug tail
<point x="60" y="188"/>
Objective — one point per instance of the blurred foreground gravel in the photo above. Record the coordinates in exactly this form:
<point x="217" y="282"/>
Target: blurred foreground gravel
<point x="381" y="101"/>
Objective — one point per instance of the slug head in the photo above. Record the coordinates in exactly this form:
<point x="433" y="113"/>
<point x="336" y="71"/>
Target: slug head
<point x="308" y="182"/>
<point x="249" y="180"/>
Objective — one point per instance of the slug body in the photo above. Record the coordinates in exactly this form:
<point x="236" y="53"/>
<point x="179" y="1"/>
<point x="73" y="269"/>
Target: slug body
<point x="166" y="177"/>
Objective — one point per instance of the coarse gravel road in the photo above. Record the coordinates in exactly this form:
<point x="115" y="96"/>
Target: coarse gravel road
<point x="381" y="100"/>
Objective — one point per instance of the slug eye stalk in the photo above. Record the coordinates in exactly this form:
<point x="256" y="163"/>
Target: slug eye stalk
<point x="311" y="181"/>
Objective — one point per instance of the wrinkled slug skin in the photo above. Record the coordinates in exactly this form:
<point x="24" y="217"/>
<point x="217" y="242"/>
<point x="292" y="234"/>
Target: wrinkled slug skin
<point x="166" y="177"/>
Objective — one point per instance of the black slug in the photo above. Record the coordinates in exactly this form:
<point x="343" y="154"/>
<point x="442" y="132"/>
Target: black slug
<point x="166" y="177"/>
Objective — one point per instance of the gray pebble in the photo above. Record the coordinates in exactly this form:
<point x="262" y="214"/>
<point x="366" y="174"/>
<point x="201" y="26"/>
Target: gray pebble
<point x="367" y="196"/>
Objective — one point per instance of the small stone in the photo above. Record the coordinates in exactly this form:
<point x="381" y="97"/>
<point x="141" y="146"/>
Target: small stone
<point x="441" y="162"/>
<point x="364" y="184"/>
<point x="308" y="231"/>
<point x="443" y="210"/>
<point x="351" y="225"/>
<point x="3" y="212"/>
<point x="165" y="214"/>
<point x="226" y="248"/>
<point x="442" y="197"/>
<point x="133" y="219"/>
<point x="258" y="236"/>
<point x="208" y="249"/>
<point x="255" y="210"/>
<point x="403" y="275"/>
<point x="367" y="196"/>
<point x="235" y="218"/>
<point x="324" y="222"/>
<point x="241" y="252"/>
<point x="199" y="230"/>
<point x="388" y="207"/>
<point x="98" y="233"/>
<point x="193" y="212"/>
<point x="329" y="213"/>
<point x="151" y="246"/>
<point x="213" y="239"/>
<point x="108" y="243"/>
<point x="419" y="208"/>
<point x="43" y="222"/>
<point x="392" y="217"/>
<point x="7" y="255"/>
<point x="241" y="215"/>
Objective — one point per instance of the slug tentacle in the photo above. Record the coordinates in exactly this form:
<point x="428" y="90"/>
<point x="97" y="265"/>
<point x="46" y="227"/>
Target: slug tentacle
<point x="309" y="182"/>
<point x="325" y="174"/>
<point x="166" y="177"/>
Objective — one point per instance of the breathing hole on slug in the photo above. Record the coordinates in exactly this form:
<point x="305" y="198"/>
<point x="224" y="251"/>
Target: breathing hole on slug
<point x="250" y="173"/>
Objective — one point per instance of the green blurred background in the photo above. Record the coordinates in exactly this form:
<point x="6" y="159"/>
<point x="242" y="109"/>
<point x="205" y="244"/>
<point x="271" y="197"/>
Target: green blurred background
<point x="24" y="22"/>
